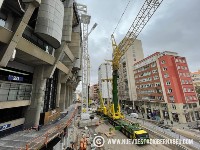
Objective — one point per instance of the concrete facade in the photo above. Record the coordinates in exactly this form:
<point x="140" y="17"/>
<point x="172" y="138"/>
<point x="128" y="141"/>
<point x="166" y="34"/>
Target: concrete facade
<point x="105" y="81"/>
<point x="42" y="52"/>
<point x="126" y="82"/>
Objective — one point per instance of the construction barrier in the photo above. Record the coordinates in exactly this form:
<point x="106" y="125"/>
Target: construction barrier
<point x="42" y="140"/>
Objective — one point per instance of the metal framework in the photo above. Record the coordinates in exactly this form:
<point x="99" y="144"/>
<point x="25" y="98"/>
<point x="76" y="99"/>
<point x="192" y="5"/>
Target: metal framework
<point x="148" y="9"/>
<point x="85" y="20"/>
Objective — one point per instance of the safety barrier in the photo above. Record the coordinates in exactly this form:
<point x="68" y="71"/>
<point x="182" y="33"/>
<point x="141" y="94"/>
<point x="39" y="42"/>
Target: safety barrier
<point x="41" y="140"/>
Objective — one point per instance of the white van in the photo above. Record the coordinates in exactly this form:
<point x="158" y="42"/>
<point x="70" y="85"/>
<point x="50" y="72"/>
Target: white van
<point x="134" y="115"/>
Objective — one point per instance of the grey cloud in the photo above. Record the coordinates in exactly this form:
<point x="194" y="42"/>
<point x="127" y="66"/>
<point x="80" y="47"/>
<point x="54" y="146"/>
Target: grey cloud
<point x="175" y="26"/>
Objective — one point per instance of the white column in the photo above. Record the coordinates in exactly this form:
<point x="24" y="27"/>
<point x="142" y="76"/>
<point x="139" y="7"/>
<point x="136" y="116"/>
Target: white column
<point x="37" y="99"/>
<point x="62" y="96"/>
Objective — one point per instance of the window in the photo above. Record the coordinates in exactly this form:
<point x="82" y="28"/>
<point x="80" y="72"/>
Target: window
<point x="162" y="62"/>
<point x="164" y="68"/>
<point x="180" y="73"/>
<point x="173" y="106"/>
<point x="154" y="71"/>
<point x="183" y="82"/>
<point x="184" y="90"/>
<point x="178" y="67"/>
<point x="157" y="84"/>
<point x="166" y="75"/>
<point x="170" y="90"/>
<point x="176" y="60"/>
<point x="156" y="77"/>
<point x="171" y="98"/>
<point x="153" y="64"/>
<point x="168" y="83"/>
<point x="186" y="82"/>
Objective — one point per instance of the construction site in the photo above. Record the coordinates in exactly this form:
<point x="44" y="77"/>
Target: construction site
<point x="82" y="75"/>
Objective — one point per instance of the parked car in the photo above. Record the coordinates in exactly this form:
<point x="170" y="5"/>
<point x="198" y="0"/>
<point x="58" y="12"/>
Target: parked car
<point x="134" y="115"/>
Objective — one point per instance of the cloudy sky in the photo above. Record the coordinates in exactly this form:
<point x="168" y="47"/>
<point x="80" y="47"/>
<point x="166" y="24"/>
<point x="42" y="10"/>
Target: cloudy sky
<point x="175" y="26"/>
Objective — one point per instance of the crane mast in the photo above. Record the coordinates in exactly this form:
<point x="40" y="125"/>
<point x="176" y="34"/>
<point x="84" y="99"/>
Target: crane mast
<point x="147" y="10"/>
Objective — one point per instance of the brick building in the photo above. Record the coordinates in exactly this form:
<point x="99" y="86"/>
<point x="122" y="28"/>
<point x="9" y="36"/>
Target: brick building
<point x="165" y="89"/>
<point x="94" y="92"/>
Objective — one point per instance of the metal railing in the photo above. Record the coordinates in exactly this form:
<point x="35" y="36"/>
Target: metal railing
<point x="49" y="135"/>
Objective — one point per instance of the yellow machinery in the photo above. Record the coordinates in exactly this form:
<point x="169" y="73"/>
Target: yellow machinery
<point x="102" y="109"/>
<point x="144" y="15"/>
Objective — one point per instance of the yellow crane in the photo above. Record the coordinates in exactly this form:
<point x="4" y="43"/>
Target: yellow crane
<point x="147" y="10"/>
<point x="102" y="109"/>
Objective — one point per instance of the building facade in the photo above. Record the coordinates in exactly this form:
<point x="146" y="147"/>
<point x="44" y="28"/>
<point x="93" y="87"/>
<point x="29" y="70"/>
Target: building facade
<point x="105" y="81"/>
<point x="126" y="82"/>
<point x="94" y="92"/>
<point x="40" y="60"/>
<point x="165" y="88"/>
<point x="196" y="78"/>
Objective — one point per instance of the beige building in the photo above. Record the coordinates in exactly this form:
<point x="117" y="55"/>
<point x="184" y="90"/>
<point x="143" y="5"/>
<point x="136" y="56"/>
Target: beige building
<point x="126" y="82"/>
<point x="196" y="78"/>
<point x="94" y="92"/>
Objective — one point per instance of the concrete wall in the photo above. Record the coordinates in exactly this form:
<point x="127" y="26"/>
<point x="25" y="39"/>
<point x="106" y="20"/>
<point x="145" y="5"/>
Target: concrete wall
<point x="67" y="57"/>
<point x="50" y="21"/>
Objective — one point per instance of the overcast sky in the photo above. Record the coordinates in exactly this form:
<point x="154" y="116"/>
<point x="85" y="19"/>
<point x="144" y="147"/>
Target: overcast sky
<point x="175" y="27"/>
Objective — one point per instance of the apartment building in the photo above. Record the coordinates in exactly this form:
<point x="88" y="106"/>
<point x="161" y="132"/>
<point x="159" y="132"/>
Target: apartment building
<point x="40" y="57"/>
<point x="94" y="92"/>
<point x="105" y="81"/>
<point x="196" y="78"/>
<point x="165" y="88"/>
<point x="126" y="82"/>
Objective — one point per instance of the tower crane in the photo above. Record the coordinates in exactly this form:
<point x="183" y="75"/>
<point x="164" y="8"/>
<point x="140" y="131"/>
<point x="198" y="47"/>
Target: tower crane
<point x="147" y="10"/>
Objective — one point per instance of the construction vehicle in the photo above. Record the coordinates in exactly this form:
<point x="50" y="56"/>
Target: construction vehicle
<point x="115" y="117"/>
<point x="102" y="108"/>
<point x="131" y="130"/>
<point x="144" y="15"/>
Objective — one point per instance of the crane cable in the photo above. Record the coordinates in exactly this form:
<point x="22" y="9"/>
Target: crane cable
<point x="121" y="16"/>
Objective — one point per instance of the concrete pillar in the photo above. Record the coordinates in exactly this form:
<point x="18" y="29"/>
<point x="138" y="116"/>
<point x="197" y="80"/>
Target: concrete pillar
<point x="67" y="97"/>
<point x="62" y="97"/>
<point x="58" y="90"/>
<point x="32" y="116"/>
<point x="70" y="100"/>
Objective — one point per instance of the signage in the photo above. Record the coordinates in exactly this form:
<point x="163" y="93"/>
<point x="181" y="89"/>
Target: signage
<point x="15" y="78"/>
<point x="5" y="126"/>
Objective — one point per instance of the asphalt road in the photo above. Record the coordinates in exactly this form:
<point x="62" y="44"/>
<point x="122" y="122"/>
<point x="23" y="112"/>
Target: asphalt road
<point x="164" y="131"/>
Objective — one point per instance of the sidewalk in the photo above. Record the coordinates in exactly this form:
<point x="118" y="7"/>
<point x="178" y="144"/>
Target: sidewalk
<point x="179" y="128"/>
